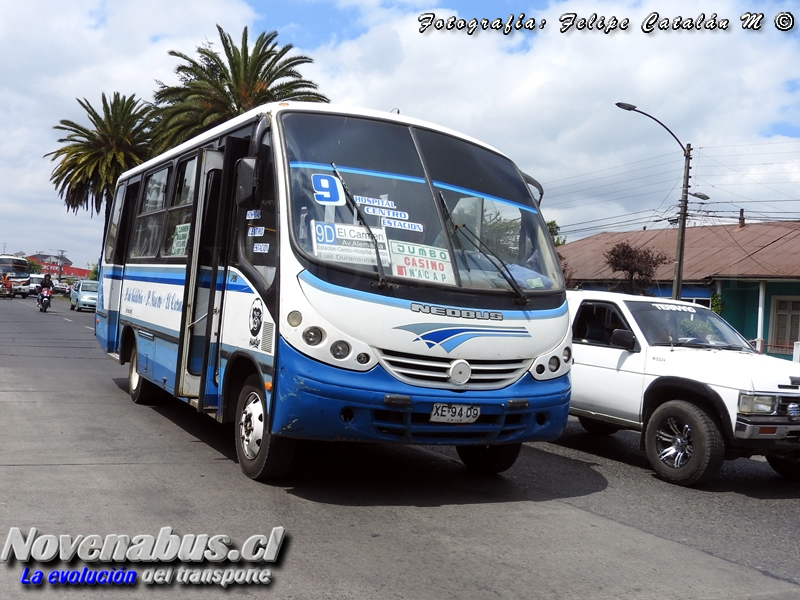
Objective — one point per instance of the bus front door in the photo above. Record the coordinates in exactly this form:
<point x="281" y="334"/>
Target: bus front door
<point x="200" y="327"/>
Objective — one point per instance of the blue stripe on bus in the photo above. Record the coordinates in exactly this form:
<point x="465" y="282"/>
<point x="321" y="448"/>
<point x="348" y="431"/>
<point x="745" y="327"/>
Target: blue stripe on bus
<point x="523" y="315"/>
<point x="173" y="276"/>
<point x="461" y="190"/>
<point x="371" y="173"/>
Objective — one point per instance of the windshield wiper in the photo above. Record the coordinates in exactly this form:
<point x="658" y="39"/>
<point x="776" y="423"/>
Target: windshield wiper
<point x="449" y="218"/>
<point x="357" y="210"/>
<point x="502" y="267"/>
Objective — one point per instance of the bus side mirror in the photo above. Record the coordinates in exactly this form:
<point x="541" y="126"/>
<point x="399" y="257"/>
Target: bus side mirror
<point x="245" y="181"/>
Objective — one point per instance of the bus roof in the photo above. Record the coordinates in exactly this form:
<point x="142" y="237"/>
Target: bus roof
<point x="275" y="108"/>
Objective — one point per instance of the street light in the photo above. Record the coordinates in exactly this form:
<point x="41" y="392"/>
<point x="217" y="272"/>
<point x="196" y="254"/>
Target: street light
<point x="677" y="281"/>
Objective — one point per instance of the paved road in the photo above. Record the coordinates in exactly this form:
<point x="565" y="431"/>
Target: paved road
<point x="582" y="518"/>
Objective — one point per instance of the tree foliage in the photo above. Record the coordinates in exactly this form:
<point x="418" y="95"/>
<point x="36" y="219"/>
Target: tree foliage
<point x="34" y="267"/>
<point x="559" y="240"/>
<point x="555" y="230"/>
<point x="214" y="88"/>
<point x="92" y="158"/>
<point x="639" y="266"/>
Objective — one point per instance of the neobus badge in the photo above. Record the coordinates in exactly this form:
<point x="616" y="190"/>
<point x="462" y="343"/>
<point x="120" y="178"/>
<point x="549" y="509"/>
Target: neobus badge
<point x="441" y="311"/>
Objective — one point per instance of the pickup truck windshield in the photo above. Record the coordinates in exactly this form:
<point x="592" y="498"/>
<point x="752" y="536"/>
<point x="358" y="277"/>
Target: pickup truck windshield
<point x="415" y="188"/>
<point x="665" y="324"/>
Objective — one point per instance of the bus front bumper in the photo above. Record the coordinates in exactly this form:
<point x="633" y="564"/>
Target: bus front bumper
<point x="316" y="401"/>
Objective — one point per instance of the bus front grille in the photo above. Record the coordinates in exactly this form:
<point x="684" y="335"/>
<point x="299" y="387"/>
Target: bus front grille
<point x="416" y="427"/>
<point x="432" y="371"/>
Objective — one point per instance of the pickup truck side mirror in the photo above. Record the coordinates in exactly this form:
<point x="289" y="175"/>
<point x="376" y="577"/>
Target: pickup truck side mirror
<point x="623" y="338"/>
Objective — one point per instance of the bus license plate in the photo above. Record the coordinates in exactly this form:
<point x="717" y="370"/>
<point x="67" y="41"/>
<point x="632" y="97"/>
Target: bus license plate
<point x="455" y="413"/>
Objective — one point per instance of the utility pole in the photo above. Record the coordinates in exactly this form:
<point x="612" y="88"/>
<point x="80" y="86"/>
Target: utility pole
<point x="60" y="262"/>
<point x="677" y="280"/>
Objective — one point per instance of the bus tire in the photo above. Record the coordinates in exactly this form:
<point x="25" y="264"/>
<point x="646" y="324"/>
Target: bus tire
<point x="786" y="464"/>
<point x="595" y="427"/>
<point x="261" y="455"/>
<point x="489" y="459"/>
<point x="141" y="390"/>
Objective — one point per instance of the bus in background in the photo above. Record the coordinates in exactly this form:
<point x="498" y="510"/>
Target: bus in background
<point x="18" y="272"/>
<point x="310" y="271"/>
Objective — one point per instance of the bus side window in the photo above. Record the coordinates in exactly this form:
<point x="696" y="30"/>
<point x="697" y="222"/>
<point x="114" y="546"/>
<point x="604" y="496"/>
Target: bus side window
<point x="149" y="225"/>
<point x="179" y="215"/>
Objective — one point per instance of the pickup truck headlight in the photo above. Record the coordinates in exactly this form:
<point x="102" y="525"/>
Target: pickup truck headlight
<point x="751" y="404"/>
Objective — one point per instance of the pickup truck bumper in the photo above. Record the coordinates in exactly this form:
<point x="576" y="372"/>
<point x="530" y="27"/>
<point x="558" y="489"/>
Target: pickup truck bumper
<point x="757" y="432"/>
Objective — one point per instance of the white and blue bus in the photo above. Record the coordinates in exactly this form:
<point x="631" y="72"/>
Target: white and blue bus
<point x="310" y="271"/>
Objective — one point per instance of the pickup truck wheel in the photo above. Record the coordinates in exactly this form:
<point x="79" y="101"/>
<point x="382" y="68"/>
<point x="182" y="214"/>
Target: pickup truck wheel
<point x="489" y="459"/>
<point x="596" y="427"/>
<point x="684" y="445"/>
<point x="786" y="464"/>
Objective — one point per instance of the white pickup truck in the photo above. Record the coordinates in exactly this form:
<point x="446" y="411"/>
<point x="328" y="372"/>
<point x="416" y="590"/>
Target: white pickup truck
<point x="685" y="379"/>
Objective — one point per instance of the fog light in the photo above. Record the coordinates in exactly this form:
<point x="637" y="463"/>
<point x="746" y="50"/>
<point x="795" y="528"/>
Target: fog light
<point x="362" y="358"/>
<point x="294" y="318"/>
<point x="313" y="336"/>
<point x="340" y="349"/>
<point x="554" y="363"/>
<point x="540" y="369"/>
<point x="567" y="354"/>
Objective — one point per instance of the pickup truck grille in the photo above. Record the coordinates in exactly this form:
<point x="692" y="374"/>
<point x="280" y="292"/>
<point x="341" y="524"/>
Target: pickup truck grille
<point x="785" y="408"/>
<point x="430" y="371"/>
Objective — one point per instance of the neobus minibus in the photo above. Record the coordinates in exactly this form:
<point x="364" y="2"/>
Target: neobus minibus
<point x="18" y="272"/>
<point x="310" y="271"/>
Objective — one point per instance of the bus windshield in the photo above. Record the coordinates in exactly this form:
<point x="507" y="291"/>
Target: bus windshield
<point x="441" y="210"/>
<point x="14" y="267"/>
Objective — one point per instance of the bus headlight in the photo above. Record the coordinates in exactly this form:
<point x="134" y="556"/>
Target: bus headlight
<point x="313" y="336"/>
<point x="567" y="354"/>
<point x="752" y="404"/>
<point x="294" y="318"/>
<point x="340" y="350"/>
<point x="554" y="363"/>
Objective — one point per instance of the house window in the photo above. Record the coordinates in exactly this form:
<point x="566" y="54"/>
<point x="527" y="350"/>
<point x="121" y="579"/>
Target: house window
<point x="784" y="324"/>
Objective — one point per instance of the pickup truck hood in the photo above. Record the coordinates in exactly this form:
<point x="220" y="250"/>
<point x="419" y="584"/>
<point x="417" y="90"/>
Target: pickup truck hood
<point x="725" y="368"/>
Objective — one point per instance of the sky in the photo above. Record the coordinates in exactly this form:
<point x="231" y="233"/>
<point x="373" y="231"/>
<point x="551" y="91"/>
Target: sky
<point x="544" y="96"/>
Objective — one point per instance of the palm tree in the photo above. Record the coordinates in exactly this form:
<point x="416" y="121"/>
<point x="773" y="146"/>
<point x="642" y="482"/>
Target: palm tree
<point x="92" y="158"/>
<point x="216" y="88"/>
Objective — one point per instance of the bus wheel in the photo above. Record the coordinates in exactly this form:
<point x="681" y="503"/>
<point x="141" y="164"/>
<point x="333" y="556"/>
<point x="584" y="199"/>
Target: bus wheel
<point x="141" y="390"/>
<point x="786" y="464"/>
<point x="261" y="455"/>
<point x="489" y="459"/>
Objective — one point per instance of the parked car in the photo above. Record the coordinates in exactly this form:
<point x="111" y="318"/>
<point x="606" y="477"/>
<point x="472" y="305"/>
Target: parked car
<point x="83" y="295"/>
<point x="60" y="287"/>
<point x="684" y="378"/>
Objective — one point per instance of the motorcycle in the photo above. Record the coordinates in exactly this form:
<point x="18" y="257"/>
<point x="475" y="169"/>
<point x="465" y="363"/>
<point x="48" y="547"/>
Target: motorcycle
<point x="6" y="289"/>
<point x="44" y="299"/>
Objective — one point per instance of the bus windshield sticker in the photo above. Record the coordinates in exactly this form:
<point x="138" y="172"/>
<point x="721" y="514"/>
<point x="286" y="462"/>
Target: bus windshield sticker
<point x="382" y="202"/>
<point x="327" y="190"/>
<point x="338" y="242"/>
<point x="261" y="248"/>
<point x="253" y="214"/>
<point x="427" y="263"/>
<point x="255" y="232"/>
<point x="407" y="225"/>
